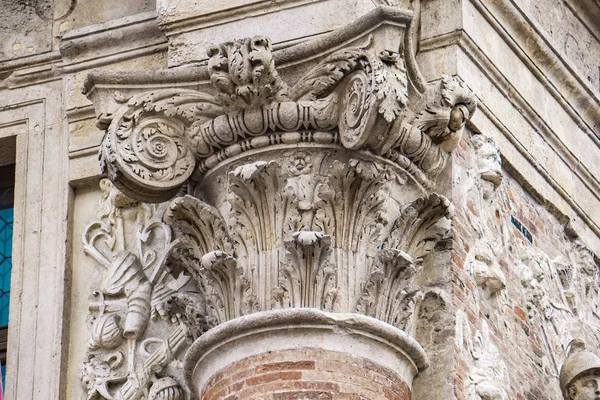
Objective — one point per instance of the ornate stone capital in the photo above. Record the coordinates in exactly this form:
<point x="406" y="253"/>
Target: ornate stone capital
<point x="298" y="178"/>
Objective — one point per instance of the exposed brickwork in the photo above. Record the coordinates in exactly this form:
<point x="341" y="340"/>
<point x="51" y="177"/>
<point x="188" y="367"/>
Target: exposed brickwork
<point x="528" y="341"/>
<point x="305" y="374"/>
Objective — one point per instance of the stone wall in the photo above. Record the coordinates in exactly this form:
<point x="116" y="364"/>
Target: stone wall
<point x="523" y="285"/>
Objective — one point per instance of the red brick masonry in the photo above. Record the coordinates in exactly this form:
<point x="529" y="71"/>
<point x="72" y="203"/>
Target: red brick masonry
<point x="305" y="374"/>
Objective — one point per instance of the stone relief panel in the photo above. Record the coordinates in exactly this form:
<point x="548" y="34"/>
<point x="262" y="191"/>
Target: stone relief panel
<point x="145" y="312"/>
<point x="487" y="376"/>
<point x="519" y="272"/>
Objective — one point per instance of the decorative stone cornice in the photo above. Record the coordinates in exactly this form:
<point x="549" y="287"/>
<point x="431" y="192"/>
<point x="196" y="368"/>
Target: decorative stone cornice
<point x="371" y="94"/>
<point x="95" y="45"/>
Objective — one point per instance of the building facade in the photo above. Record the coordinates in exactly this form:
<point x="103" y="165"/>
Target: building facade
<point x="301" y="199"/>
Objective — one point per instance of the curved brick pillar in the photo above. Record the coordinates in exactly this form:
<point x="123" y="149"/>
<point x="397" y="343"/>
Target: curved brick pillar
<point x="303" y="354"/>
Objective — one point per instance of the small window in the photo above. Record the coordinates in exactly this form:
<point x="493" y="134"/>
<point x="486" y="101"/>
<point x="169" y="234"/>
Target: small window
<point x="7" y="178"/>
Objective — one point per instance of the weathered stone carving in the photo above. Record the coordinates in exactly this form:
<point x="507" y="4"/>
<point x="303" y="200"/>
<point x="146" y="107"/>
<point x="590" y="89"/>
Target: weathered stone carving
<point x="444" y="118"/>
<point x="488" y="377"/>
<point x="244" y="73"/>
<point x="153" y="143"/>
<point x="188" y="238"/>
<point x="145" y="150"/>
<point x="422" y="224"/>
<point x="580" y="373"/>
<point x="318" y="194"/>
<point x="205" y="249"/>
<point x="486" y="272"/>
<point x="142" y="314"/>
<point x="389" y="294"/>
<point x="489" y="164"/>
<point x="307" y="278"/>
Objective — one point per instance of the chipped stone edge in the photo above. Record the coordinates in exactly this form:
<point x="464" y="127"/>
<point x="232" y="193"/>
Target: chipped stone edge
<point x="299" y="323"/>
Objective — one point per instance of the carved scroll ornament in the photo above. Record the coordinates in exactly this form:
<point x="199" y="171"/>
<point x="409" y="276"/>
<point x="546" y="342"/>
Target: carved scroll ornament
<point x="157" y="139"/>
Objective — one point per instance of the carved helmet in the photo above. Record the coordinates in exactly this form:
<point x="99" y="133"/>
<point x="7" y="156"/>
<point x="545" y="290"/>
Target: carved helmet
<point x="579" y="360"/>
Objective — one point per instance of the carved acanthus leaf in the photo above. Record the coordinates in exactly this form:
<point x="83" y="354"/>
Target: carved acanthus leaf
<point x="308" y="278"/>
<point x="244" y="73"/>
<point x="422" y="224"/>
<point x="228" y="292"/>
<point x="323" y="79"/>
<point x="389" y="294"/>
<point x="198" y="224"/>
<point x="351" y="209"/>
<point x="206" y="251"/>
<point x="264" y="208"/>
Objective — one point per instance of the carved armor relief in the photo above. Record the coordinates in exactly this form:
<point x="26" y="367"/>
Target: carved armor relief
<point x="259" y="194"/>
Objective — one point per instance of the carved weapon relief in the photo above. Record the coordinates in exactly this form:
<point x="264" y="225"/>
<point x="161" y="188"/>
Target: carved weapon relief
<point x="144" y="313"/>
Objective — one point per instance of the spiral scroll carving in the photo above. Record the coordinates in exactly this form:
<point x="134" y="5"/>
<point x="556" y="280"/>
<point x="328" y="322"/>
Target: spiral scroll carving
<point x="358" y="113"/>
<point x="151" y="157"/>
<point x="147" y="150"/>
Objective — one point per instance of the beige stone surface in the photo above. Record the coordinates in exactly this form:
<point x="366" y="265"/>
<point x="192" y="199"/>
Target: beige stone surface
<point x="25" y="28"/>
<point x="493" y="311"/>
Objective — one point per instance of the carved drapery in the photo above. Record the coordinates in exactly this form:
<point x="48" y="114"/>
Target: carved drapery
<point x="316" y="193"/>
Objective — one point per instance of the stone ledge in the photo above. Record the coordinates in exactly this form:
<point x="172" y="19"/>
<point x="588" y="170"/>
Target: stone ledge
<point x="299" y="328"/>
<point x="101" y="44"/>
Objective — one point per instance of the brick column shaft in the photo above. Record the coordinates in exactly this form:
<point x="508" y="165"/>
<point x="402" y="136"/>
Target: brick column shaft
<point x="305" y="373"/>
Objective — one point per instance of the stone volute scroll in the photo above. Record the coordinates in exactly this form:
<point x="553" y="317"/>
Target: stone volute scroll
<point x="267" y="202"/>
<point x="580" y="373"/>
